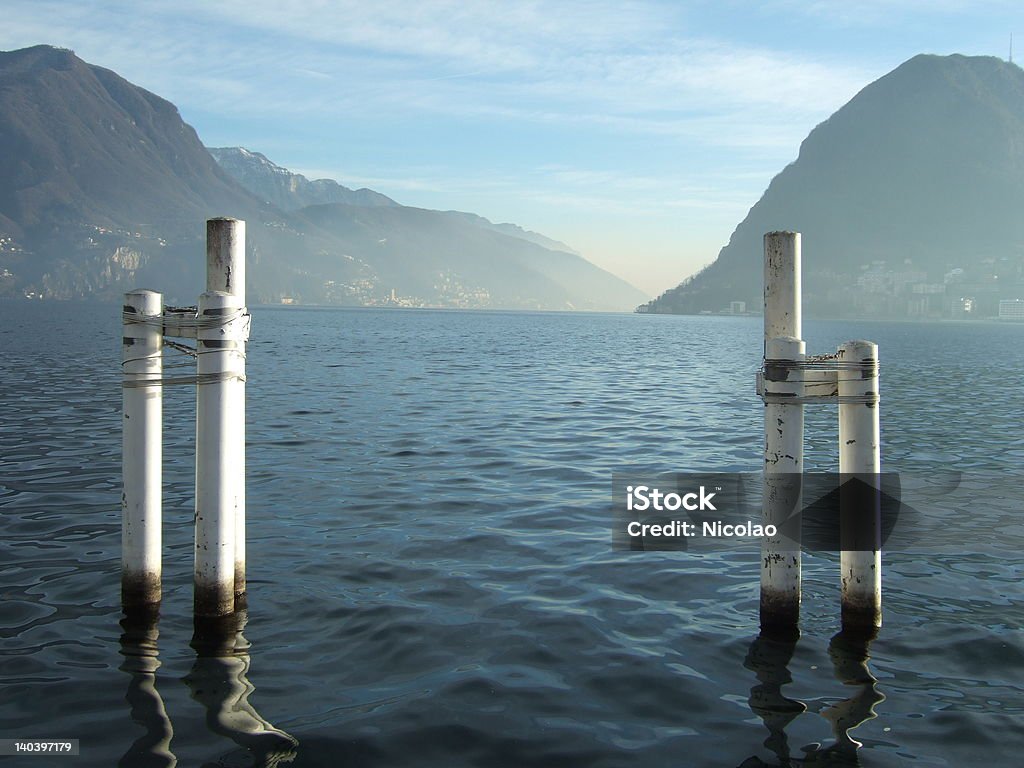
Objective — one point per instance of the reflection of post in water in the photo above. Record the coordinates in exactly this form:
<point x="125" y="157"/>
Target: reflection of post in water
<point x="768" y="658"/>
<point x="849" y="654"/>
<point x="218" y="680"/>
<point x="139" y="648"/>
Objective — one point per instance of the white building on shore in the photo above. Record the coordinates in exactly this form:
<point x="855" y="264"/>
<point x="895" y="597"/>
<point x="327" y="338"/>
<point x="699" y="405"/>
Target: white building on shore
<point x="1011" y="309"/>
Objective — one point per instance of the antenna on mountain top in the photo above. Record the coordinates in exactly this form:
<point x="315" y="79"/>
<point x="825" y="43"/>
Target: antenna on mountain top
<point x="1011" y="47"/>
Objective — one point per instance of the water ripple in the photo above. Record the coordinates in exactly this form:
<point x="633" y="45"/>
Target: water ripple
<point x="431" y="575"/>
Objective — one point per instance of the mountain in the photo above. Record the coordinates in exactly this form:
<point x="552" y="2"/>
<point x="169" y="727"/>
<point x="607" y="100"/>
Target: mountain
<point x="514" y="230"/>
<point x="464" y="263"/>
<point x="291" y="191"/>
<point x="104" y="188"/>
<point x="288" y="191"/>
<point x="908" y="199"/>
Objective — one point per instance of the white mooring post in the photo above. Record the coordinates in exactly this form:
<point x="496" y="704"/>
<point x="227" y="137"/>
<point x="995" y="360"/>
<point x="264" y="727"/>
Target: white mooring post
<point x="142" y="457"/>
<point x="220" y="416"/>
<point x="783" y="464"/>
<point x="782" y="312"/>
<point x="784" y="432"/>
<point x="225" y="257"/>
<point x="860" y="498"/>
<point x="225" y="271"/>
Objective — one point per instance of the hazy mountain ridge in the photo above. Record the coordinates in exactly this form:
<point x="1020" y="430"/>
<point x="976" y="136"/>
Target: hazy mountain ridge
<point x="485" y="265"/>
<point x="291" y="191"/>
<point x="104" y="188"/>
<point x="922" y="170"/>
<point x="514" y="230"/>
<point x="287" y="190"/>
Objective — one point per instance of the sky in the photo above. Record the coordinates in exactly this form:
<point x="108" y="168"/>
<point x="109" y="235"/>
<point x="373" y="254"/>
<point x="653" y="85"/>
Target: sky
<point x="639" y="132"/>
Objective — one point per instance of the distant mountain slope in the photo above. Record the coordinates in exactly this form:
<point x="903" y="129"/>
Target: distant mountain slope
<point x="291" y="191"/>
<point x="288" y="191"/>
<point x="104" y="188"/>
<point x="100" y="181"/>
<point x="80" y="140"/>
<point x="514" y="230"/>
<point x="420" y="252"/>
<point x="926" y="164"/>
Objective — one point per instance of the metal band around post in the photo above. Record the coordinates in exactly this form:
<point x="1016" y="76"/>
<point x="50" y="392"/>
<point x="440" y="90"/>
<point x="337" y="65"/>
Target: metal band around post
<point x="820" y="375"/>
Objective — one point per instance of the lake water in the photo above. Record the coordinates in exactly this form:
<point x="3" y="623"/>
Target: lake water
<point x="431" y="580"/>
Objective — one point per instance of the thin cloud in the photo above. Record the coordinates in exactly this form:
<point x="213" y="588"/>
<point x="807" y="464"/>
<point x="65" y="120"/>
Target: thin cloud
<point x="874" y="13"/>
<point x="628" y="67"/>
<point x="314" y="74"/>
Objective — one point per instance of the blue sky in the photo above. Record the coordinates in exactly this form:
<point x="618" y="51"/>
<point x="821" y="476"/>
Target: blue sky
<point x="638" y="131"/>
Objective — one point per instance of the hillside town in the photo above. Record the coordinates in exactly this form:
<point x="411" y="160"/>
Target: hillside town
<point x="979" y="290"/>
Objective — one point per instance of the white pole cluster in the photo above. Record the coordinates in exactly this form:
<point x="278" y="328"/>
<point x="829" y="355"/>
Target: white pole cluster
<point x="788" y="381"/>
<point x="220" y="326"/>
<point x="142" y="433"/>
